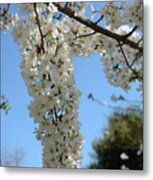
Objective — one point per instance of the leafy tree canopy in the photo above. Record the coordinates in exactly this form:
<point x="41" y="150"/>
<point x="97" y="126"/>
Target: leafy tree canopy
<point x="120" y="146"/>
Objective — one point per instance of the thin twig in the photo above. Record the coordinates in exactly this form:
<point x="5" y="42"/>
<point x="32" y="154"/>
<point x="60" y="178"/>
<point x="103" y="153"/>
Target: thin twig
<point x="66" y="4"/>
<point x="136" y="58"/>
<point x="85" y="35"/>
<point x="101" y="18"/>
<point x="131" y="32"/>
<point x="39" y="27"/>
<point x="45" y="35"/>
<point x="140" y="40"/>
<point x="55" y="113"/>
<point x="126" y="60"/>
<point x="5" y="10"/>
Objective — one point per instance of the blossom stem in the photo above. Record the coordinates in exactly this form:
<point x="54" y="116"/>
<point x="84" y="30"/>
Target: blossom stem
<point x="127" y="63"/>
<point x="39" y="27"/>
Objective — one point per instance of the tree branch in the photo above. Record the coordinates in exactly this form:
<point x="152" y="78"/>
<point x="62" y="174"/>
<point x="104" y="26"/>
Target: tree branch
<point x="131" y="32"/>
<point x="125" y="58"/>
<point x="5" y="10"/>
<point x="120" y="38"/>
<point x="101" y="18"/>
<point x="39" y="27"/>
<point x="140" y="40"/>
<point x="127" y="63"/>
<point x="85" y="35"/>
<point x="55" y="113"/>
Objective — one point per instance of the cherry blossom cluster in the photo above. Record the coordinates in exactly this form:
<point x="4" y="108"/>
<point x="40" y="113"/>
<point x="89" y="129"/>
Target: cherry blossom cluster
<point x="123" y="66"/>
<point x="6" y="19"/>
<point x="48" y="74"/>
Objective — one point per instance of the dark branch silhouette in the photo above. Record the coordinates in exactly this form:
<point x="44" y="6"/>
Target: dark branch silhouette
<point x="4" y="11"/>
<point x="127" y="63"/>
<point x="85" y="35"/>
<point x="121" y="38"/>
<point x="39" y="27"/>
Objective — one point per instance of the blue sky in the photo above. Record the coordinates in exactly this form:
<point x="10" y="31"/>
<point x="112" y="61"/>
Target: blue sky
<point x="17" y="127"/>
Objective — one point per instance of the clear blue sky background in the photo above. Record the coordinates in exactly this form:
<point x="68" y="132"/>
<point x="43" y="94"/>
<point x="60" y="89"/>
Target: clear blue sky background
<point x="17" y="127"/>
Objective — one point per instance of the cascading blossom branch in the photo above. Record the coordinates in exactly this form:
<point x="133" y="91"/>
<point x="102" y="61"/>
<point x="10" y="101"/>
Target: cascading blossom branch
<point x="49" y="36"/>
<point x="48" y="73"/>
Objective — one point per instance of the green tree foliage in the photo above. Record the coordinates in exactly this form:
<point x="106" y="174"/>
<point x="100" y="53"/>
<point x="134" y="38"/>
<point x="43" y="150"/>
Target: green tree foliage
<point x="4" y="104"/>
<point x="120" y="147"/>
